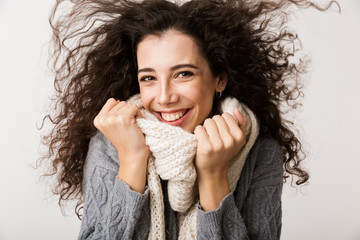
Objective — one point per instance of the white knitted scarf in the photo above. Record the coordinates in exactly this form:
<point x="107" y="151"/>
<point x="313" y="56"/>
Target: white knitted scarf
<point x="172" y="153"/>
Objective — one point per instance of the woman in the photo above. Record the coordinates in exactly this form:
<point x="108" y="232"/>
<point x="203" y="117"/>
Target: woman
<point x="170" y="123"/>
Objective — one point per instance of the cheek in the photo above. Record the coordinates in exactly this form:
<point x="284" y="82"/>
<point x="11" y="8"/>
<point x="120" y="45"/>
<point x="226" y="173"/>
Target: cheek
<point x="203" y="97"/>
<point x="145" y="98"/>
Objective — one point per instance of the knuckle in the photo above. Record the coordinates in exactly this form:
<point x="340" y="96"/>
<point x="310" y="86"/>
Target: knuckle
<point x="216" y="117"/>
<point x="217" y="146"/>
<point x="226" y="114"/>
<point x="122" y="103"/>
<point x="110" y="100"/>
<point x="105" y="121"/>
<point x="120" y="120"/>
<point x="198" y="129"/>
<point x="133" y="107"/>
<point x="229" y="143"/>
<point x="238" y="137"/>
<point x="228" y="117"/>
<point x="96" y="121"/>
<point x="109" y="120"/>
<point x="208" y="121"/>
<point x="101" y="123"/>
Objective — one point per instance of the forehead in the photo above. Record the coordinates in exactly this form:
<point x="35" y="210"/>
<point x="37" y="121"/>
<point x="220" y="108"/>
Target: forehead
<point x="169" y="47"/>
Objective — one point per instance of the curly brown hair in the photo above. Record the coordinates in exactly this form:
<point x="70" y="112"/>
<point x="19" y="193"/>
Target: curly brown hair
<point x="94" y="58"/>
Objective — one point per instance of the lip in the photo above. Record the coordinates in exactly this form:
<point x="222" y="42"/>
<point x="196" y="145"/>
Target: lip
<point x="176" y="122"/>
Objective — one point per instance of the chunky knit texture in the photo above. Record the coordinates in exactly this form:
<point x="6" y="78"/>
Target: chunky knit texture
<point x="173" y="151"/>
<point x="113" y="211"/>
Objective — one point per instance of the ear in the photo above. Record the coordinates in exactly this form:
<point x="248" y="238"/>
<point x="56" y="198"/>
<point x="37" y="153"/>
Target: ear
<point x="221" y="81"/>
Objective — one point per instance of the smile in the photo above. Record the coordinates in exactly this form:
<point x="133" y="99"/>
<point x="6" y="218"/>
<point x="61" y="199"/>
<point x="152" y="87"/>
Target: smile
<point x="170" y="117"/>
<point x="173" y="118"/>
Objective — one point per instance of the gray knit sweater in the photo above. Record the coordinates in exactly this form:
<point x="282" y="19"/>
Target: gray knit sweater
<point x="113" y="211"/>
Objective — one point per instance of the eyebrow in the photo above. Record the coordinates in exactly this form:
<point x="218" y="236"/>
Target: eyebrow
<point x="173" y="68"/>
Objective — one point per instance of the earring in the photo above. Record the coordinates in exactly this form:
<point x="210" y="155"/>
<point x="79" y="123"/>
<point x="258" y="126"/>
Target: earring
<point x="218" y="94"/>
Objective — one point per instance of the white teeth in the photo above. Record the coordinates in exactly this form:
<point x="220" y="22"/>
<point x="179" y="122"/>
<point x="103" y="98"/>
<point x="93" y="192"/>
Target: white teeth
<point x="171" y="117"/>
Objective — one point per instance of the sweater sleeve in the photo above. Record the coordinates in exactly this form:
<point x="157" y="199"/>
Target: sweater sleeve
<point x="253" y="211"/>
<point x="111" y="209"/>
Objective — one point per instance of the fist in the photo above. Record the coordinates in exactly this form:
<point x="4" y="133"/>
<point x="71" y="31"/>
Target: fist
<point x="117" y="121"/>
<point x="219" y="139"/>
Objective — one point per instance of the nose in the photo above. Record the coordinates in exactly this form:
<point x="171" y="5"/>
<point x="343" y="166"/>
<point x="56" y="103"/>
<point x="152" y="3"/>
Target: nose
<point x="167" y="93"/>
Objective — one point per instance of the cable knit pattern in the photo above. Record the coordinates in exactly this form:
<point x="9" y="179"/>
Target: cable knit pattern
<point x="252" y="211"/>
<point x="111" y="209"/>
<point x="173" y="151"/>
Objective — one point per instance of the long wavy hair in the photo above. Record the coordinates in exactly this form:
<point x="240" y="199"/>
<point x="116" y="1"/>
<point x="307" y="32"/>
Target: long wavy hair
<point x="94" y="58"/>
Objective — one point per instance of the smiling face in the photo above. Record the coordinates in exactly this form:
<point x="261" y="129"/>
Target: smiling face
<point x="176" y="83"/>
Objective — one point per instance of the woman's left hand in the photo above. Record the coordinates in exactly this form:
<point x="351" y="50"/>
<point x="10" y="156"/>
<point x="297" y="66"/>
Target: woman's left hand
<point x="219" y="139"/>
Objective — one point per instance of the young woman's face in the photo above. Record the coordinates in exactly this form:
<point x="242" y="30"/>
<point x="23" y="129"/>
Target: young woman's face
<point x="176" y="84"/>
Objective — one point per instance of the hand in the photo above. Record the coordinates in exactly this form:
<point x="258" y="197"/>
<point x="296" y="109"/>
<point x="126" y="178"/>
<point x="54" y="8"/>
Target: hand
<point x="219" y="139"/>
<point x="116" y="121"/>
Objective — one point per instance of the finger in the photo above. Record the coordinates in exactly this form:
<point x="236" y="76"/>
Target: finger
<point x="241" y="120"/>
<point x="235" y="130"/>
<point x="119" y="105"/>
<point x="126" y="114"/>
<point x="224" y="130"/>
<point x="110" y="103"/>
<point x="214" y="135"/>
<point x="202" y="137"/>
<point x="201" y="133"/>
<point x="130" y="109"/>
<point x="230" y="121"/>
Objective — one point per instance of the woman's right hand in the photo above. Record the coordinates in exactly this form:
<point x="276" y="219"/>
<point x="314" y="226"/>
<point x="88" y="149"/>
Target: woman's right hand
<point x="116" y="120"/>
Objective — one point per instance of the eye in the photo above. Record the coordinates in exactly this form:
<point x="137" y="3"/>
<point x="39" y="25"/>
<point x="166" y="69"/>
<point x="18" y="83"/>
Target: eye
<point x="147" y="78"/>
<point x="185" y="74"/>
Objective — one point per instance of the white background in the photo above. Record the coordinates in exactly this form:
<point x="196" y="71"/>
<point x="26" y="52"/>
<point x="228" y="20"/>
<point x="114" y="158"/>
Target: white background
<point x="327" y="208"/>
